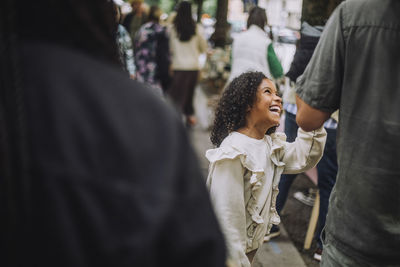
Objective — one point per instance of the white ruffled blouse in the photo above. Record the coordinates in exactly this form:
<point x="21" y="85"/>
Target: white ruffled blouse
<point x="243" y="180"/>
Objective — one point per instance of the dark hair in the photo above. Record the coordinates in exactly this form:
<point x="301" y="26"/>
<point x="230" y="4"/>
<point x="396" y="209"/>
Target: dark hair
<point x="74" y="23"/>
<point x="258" y="17"/>
<point x="117" y="12"/>
<point x="238" y="97"/>
<point x="184" y="23"/>
<point x="153" y="14"/>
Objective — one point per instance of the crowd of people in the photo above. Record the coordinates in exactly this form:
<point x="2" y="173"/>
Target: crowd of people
<point x="166" y="53"/>
<point x="96" y="167"/>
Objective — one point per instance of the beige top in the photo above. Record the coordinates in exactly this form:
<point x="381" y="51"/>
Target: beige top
<point x="185" y="55"/>
<point x="243" y="181"/>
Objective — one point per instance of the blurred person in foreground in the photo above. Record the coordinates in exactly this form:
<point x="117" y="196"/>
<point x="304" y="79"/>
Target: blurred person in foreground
<point x="95" y="169"/>
<point x="355" y="68"/>
<point x="253" y="50"/>
<point x="152" y="57"/>
<point x="186" y="43"/>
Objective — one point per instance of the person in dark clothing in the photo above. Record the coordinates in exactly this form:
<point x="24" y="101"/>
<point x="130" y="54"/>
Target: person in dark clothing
<point x="308" y="41"/>
<point x="134" y="20"/>
<point x="152" y="57"/>
<point x="125" y="45"/>
<point x="95" y="169"/>
<point x="327" y="167"/>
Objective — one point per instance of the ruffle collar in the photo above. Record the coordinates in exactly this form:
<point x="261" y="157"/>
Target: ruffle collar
<point x="233" y="146"/>
<point x="231" y="149"/>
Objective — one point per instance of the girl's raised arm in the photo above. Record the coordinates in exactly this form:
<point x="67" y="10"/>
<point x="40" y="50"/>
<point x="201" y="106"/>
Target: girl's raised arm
<point x="305" y="152"/>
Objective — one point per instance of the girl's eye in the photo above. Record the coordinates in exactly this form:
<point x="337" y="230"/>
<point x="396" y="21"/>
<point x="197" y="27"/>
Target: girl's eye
<point x="267" y="91"/>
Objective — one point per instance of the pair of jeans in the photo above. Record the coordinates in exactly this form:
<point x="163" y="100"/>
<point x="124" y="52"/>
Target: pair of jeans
<point x="326" y="168"/>
<point x="182" y="90"/>
<point x="287" y="179"/>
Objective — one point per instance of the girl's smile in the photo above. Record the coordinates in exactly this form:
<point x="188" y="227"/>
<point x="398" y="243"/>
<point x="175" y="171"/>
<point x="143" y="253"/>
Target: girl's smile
<point x="275" y="109"/>
<point x="265" y="112"/>
<point x="268" y="107"/>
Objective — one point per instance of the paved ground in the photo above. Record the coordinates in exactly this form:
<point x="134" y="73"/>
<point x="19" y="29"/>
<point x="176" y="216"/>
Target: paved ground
<point x="287" y="249"/>
<point x="295" y="217"/>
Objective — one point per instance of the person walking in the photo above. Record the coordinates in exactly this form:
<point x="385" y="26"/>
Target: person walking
<point x="252" y="49"/>
<point x="186" y="43"/>
<point x="125" y="45"/>
<point x="95" y="170"/>
<point x="136" y="18"/>
<point x="327" y="167"/>
<point x="355" y="69"/>
<point x="152" y="56"/>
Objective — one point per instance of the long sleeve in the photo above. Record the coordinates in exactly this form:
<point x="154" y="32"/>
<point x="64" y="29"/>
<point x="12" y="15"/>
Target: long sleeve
<point x="129" y="61"/>
<point x="305" y="152"/>
<point x="163" y="58"/>
<point x="227" y="195"/>
<point x="126" y="50"/>
<point x="275" y="66"/>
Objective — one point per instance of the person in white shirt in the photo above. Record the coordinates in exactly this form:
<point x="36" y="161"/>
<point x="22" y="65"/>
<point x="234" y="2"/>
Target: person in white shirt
<point x="186" y="44"/>
<point x="250" y="157"/>
<point x="252" y="50"/>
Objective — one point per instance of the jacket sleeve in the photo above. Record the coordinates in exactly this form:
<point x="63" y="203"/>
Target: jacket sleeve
<point x="305" y="152"/>
<point x="163" y="59"/>
<point x="275" y="66"/>
<point x="227" y="195"/>
<point x="128" y="51"/>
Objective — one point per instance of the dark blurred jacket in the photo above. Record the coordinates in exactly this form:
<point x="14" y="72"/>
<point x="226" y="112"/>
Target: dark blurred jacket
<point x="308" y="41"/>
<point x="114" y="179"/>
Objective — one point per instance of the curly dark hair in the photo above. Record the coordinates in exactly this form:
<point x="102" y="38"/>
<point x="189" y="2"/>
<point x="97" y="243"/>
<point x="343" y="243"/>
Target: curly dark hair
<point x="238" y="97"/>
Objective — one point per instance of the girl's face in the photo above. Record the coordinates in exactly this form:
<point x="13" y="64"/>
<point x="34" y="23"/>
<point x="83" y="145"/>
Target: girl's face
<point x="268" y="106"/>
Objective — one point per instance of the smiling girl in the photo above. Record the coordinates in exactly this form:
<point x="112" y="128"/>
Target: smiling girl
<point x="246" y="166"/>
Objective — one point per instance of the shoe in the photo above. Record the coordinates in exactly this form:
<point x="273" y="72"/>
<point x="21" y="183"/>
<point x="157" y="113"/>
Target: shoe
<point x="307" y="198"/>
<point x="317" y="254"/>
<point x="275" y="231"/>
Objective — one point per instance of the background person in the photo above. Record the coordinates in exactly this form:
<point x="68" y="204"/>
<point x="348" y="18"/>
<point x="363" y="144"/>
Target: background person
<point x="186" y="43"/>
<point x="136" y="18"/>
<point x="152" y="56"/>
<point x="124" y="44"/>
<point x="327" y="166"/>
<point x="253" y="50"/>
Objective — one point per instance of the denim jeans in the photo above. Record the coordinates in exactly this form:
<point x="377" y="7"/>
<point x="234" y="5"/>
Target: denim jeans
<point x="326" y="168"/>
<point x="287" y="179"/>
